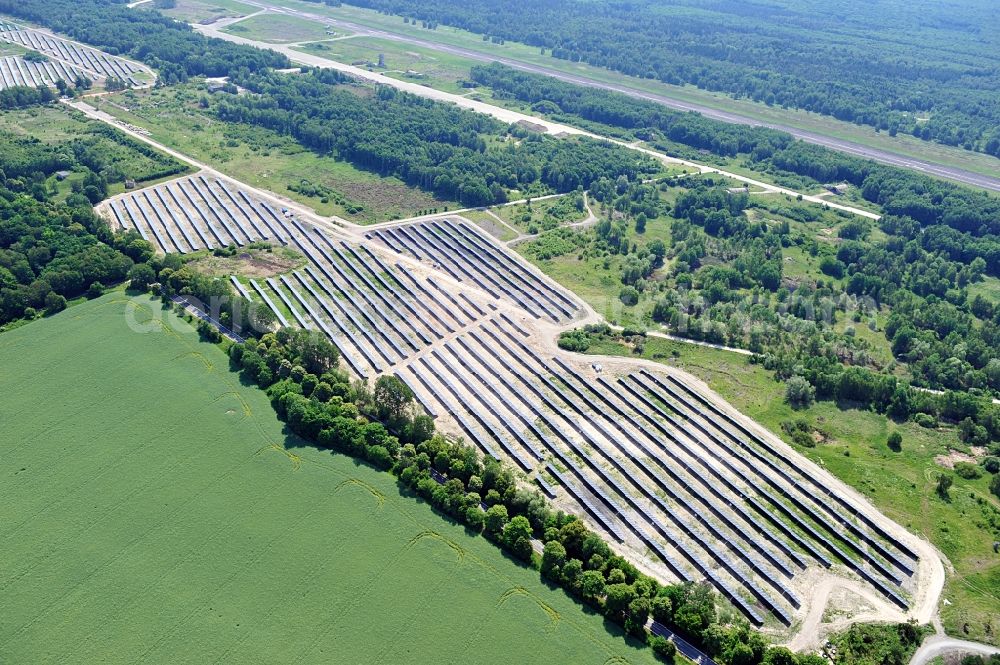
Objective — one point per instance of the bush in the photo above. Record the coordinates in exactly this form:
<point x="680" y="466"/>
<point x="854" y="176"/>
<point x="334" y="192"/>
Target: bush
<point x="629" y="296"/>
<point x="895" y="441"/>
<point x="801" y="432"/>
<point x="141" y="276"/>
<point x="944" y="484"/>
<point x="54" y="302"/>
<point x="973" y="434"/>
<point x="925" y="420"/>
<point x="991" y="464"/>
<point x="574" y="340"/>
<point x="967" y="470"/>
<point x="799" y="392"/>
<point x="663" y="648"/>
<point x="832" y="267"/>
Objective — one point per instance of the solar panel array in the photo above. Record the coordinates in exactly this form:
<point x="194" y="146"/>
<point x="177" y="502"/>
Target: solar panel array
<point x="195" y="213"/>
<point x="460" y="250"/>
<point x="651" y="461"/>
<point x="72" y="57"/>
<point x="16" y="71"/>
<point x="648" y="468"/>
<point x="378" y="315"/>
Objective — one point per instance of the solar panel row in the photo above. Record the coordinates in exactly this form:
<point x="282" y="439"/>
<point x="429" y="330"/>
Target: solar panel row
<point x="467" y="256"/>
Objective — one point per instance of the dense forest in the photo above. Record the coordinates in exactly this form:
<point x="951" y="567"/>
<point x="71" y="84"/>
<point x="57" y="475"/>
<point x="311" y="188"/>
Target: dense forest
<point x="170" y="47"/>
<point x="922" y="68"/>
<point x="457" y="154"/>
<point x="21" y="96"/>
<point x="54" y="250"/>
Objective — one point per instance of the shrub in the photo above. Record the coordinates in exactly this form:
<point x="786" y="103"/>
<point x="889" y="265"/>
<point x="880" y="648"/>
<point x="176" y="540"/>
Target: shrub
<point x="54" y="302"/>
<point x="832" y="267"/>
<point x="944" y="484"/>
<point x="972" y="433"/>
<point x="967" y="470"/>
<point x="799" y="392"/>
<point x="925" y="420"/>
<point x="895" y="441"/>
<point x="574" y="340"/>
<point x="141" y="276"/>
<point x="629" y="296"/>
<point x="801" y="432"/>
<point x="663" y="648"/>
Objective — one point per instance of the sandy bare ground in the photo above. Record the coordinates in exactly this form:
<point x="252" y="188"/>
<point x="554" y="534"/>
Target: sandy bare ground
<point x="940" y="645"/>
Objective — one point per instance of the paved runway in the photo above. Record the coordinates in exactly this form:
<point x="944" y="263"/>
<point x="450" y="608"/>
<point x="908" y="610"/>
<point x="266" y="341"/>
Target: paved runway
<point x="857" y="149"/>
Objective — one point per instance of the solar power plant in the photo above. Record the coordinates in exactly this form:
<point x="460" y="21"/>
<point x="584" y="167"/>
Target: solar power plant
<point x="378" y="315"/>
<point x="67" y="57"/>
<point x="672" y="474"/>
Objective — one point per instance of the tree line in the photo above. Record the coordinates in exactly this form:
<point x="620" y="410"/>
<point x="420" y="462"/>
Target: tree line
<point x="22" y="96"/>
<point x="646" y="119"/>
<point x="454" y="153"/>
<point x="52" y="250"/>
<point x="382" y="425"/>
<point x="952" y="220"/>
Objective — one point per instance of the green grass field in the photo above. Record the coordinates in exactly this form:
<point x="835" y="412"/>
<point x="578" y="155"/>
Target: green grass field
<point x="541" y="215"/>
<point x="988" y="288"/>
<point x="11" y="49"/>
<point x="58" y="124"/>
<point x="206" y="11"/>
<point x="488" y="223"/>
<point x="46" y="123"/>
<point x="407" y="62"/>
<point x="155" y="511"/>
<point x="901" y="485"/>
<point x="280" y="29"/>
<point x="598" y="279"/>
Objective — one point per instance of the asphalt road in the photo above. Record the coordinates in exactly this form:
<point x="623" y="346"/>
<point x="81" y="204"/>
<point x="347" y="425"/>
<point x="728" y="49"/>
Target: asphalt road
<point x="506" y="115"/>
<point x="883" y="156"/>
